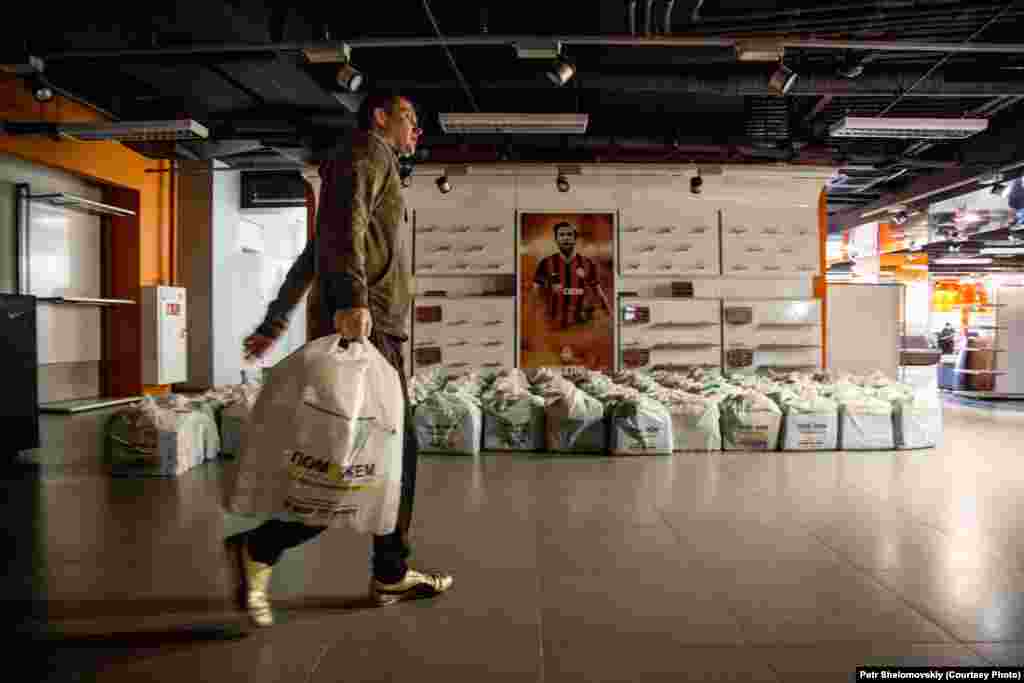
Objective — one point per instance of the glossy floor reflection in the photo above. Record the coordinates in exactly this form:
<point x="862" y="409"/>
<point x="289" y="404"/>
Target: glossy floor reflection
<point x="728" y="567"/>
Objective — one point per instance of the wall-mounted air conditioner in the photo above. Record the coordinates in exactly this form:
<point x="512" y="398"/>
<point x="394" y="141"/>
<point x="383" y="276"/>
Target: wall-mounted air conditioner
<point x="268" y="190"/>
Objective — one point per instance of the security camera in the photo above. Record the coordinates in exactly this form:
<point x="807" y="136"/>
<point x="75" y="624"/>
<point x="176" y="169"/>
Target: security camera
<point x="695" y="184"/>
<point x="563" y="183"/>
<point x="443" y="185"/>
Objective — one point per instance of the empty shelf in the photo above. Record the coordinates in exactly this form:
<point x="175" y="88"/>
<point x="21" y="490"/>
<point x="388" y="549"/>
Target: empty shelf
<point x="981" y="372"/>
<point x="79" y="405"/>
<point x="84" y="301"/>
<point x="683" y="366"/>
<point x="70" y="201"/>
<point x="986" y="394"/>
<point x="786" y="347"/>
<point x="978" y="305"/>
<point x="682" y="347"/>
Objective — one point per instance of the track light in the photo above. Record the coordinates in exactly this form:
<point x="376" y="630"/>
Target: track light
<point x="782" y="80"/>
<point x="852" y="66"/>
<point x="42" y="91"/>
<point x="350" y="78"/>
<point x="998" y="189"/>
<point x="900" y="218"/>
<point x="696" y="182"/>
<point x="562" y="183"/>
<point x="444" y="185"/>
<point x="561" y="72"/>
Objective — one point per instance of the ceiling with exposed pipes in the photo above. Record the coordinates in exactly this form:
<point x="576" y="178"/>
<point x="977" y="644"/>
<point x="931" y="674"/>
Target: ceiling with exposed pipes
<point x="240" y="69"/>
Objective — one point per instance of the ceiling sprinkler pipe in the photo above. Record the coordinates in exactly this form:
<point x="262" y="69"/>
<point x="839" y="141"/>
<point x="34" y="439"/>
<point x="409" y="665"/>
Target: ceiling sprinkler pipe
<point x="492" y="40"/>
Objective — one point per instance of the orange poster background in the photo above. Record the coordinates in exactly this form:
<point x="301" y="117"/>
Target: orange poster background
<point x="592" y="343"/>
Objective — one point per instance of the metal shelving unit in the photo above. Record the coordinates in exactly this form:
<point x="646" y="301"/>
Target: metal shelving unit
<point x="84" y="301"/>
<point x="64" y="200"/>
<point x="999" y="346"/>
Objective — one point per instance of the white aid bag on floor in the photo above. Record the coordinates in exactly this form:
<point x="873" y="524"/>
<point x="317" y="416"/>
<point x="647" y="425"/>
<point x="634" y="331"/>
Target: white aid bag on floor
<point x="917" y="417"/>
<point x="640" y="426"/>
<point x="449" y="422"/>
<point x="574" y="420"/>
<point x="695" y="423"/>
<point x="750" y="422"/>
<point x="323" y="445"/>
<point x="866" y="424"/>
<point x="810" y="423"/>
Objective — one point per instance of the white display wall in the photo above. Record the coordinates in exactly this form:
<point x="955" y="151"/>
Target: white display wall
<point x="751" y="235"/>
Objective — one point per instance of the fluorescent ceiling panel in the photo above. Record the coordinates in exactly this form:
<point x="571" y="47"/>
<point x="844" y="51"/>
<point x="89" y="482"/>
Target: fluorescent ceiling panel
<point x="556" y="124"/>
<point x="907" y="128"/>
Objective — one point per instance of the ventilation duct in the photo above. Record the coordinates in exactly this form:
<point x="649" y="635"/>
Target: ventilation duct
<point x="767" y="122"/>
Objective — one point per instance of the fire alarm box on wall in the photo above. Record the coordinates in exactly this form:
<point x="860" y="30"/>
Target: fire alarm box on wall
<point x="164" y="335"/>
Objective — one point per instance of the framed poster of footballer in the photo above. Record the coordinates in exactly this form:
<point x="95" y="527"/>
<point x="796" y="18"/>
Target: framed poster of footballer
<point x="567" y="289"/>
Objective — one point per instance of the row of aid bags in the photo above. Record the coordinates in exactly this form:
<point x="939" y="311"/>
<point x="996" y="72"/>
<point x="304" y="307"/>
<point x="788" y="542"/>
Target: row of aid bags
<point x="663" y="412"/>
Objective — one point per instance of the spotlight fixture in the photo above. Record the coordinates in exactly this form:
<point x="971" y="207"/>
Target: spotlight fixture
<point x="407" y="181"/>
<point x="851" y="70"/>
<point x="562" y="182"/>
<point x="42" y="91"/>
<point x="561" y="72"/>
<point x="852" y="66"/>
<point x="900" y="218"/>
<point x="444" y="185"/>
<point x="695" y="183"/>
<point x="350" y="78"/>
<point x="998" y="189"/>
<point x="782" y="80"/>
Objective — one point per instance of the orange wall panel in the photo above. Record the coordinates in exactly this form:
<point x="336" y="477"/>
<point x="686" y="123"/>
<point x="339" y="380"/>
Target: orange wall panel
<point x="107" y="163"/>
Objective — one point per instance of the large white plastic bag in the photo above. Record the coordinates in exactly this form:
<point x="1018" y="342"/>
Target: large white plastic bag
<point x="866" y="424"/>
<point x="235" y="416"/>
<point x="323" y="445"/>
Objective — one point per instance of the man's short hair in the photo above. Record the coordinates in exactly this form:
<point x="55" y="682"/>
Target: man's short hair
<point x="378" y="99"/>
<point x="563" y="224"/>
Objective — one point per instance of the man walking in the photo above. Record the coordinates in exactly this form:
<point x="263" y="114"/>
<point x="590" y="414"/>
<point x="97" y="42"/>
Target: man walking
<point x="364" y="289"/>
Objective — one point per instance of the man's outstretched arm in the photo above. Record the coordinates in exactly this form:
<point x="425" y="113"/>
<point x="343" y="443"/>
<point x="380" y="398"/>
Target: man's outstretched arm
<point x="275" y="323"/>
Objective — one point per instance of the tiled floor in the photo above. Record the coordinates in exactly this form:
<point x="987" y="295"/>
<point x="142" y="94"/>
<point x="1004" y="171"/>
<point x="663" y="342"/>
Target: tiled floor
<point x="728" y="567"/>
